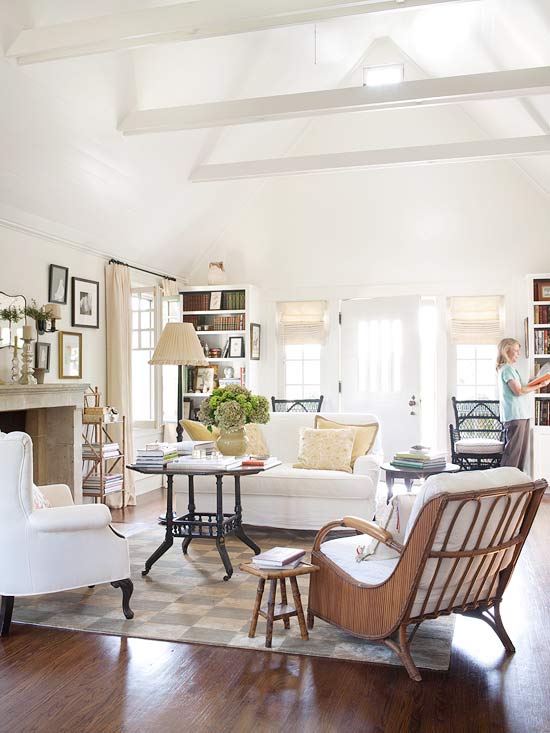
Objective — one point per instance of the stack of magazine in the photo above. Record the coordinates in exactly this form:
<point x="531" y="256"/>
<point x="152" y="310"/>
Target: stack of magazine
<point x="278" y="558"/>
<point x="420" y="457"/>
<point x="155" y="455"/>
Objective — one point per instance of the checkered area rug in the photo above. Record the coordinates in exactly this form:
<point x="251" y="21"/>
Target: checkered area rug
<point x="184" y="598"/>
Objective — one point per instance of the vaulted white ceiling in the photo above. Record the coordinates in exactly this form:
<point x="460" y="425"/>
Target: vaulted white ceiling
<point x="66" y="169"/>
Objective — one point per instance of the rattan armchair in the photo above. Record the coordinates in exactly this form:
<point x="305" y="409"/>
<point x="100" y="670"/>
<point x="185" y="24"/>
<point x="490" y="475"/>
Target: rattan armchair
<point x="457" y="556"/>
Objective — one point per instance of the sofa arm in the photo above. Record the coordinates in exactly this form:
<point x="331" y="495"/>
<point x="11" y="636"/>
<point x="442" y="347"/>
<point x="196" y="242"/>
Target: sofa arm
<point x="57" y="494"/>
<point x="369" y="465"/>
<point x="70" y="518"/>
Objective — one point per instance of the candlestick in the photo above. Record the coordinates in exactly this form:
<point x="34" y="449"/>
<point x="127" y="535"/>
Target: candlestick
<point x="27" y="376"/>
<point x="15" y="363"/>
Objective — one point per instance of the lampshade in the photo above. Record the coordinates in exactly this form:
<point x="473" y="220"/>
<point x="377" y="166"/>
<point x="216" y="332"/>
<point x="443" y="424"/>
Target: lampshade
<point x="179" y="344"/>
<point x="53" y="310"/>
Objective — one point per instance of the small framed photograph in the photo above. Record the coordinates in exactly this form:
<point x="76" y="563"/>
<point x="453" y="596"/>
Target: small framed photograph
<point x="58" y="284"/>
<point x="542" y="290"/>
<point x="236" y="347"/>
<point x="204" y="379"/>
<point x="255" y="331"/>
<point x="70" y="355"/>
<point x="215" y="301"/>
<point x="85" y="313"/>
<point x="526" y="337"/>
<point x="42" y="355"/>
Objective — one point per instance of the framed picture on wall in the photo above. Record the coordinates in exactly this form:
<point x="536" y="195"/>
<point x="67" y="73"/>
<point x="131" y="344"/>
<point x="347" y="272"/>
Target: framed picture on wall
<point x="70" y="355"/>
<point x="42" y="355"/>
<point x="85" y="305"/>
<point x="236" y="347"/>
<point x="58" y="284"/>
<point x="255" y="331"/>
<point x="542" y="290"/>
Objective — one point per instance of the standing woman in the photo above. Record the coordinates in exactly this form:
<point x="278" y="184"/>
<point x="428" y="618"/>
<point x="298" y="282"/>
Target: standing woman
<point x="515" y="409"/>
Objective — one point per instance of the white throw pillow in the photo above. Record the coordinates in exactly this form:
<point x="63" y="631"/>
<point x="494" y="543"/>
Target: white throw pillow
<point x="39" y="501"/>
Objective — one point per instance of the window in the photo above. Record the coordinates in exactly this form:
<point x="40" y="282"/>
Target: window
<point x="475" y="371"/>
<point x="378" y="76"/>
<point x="143" y="344"/>
<point x="302" y="363"/>
<point x="171" y="313"/>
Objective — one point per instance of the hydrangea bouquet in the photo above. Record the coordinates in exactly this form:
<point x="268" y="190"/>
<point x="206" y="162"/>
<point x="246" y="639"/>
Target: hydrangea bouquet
<point x="231" y="408"/>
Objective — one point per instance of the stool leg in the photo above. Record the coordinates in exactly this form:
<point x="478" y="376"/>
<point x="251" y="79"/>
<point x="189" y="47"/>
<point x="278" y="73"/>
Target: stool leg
<point x="286" y="619"/>
<point x="270" y="612"/>
<point x="256" y="611"/>
<point x="299" y="609"/>
<point x="310" y="619"/>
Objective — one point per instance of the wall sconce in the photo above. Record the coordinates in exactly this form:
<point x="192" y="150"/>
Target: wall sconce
<point x="52" y="312"/>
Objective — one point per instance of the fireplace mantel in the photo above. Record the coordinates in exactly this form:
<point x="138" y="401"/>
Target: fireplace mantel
<point x="52" y="415"/>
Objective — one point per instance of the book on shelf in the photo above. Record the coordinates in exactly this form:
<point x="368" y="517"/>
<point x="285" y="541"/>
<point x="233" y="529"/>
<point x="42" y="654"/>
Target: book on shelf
<point x="278" y="557"/>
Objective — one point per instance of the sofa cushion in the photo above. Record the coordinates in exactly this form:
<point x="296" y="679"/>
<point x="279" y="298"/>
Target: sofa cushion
<point x="479" y="446"/>
<point x="365" y="435"/>
<point x="329" y="450"/>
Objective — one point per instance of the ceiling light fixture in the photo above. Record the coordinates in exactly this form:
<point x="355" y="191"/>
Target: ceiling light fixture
<point x="377" y="76"/>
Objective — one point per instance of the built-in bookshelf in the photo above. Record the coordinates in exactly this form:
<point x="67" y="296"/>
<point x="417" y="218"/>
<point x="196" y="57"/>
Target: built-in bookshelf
<point x="221" y="315"/>
<point x="539" y="355"/>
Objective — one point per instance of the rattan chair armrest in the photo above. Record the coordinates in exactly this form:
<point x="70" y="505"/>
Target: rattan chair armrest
<point x="360" y="525"/>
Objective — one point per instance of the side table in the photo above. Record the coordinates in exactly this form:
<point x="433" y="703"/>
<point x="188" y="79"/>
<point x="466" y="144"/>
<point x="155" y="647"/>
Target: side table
<point x="273" y="612"/>
<point x="410" y="474"/>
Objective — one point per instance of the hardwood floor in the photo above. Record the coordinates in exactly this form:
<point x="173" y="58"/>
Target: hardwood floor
<point x="52" y="680"/>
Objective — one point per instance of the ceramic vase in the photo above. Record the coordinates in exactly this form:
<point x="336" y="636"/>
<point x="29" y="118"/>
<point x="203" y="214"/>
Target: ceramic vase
<point x="216" y="274"/>
<point x="233" y="443"/>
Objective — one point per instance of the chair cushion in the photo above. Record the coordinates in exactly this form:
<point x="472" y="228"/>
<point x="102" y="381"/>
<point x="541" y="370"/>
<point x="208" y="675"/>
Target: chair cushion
<point x="365" y="435"/>
<point x="328" y="450"/>
<point x="343" y="553"/>
<point x="479" y="446"/>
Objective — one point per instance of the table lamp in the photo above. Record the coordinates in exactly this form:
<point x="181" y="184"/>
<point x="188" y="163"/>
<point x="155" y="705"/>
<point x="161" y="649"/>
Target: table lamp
<point x="179" y="345"/>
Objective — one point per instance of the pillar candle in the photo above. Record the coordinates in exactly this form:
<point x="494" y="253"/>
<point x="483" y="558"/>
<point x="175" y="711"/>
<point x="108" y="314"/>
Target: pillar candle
<point x="28" y="333"/>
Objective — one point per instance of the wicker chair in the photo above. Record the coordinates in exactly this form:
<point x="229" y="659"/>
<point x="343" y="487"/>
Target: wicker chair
<point x="457" y="555"/>
<point x="303" y="405"/>
<point x="477" y="438"/>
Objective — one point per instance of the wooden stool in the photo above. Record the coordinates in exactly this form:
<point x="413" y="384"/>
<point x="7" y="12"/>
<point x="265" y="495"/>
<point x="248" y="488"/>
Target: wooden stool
<point x="273" y="612"/>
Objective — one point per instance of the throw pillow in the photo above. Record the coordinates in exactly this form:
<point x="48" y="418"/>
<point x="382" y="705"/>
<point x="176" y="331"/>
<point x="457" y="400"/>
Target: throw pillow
<point x="197" y="431"/>
<point x="394" y="520"/>
<point x="257" y="445"/>
<point x="365" y="435"/>
<point x="39" y="501"/>
<point x="327" y="450"/>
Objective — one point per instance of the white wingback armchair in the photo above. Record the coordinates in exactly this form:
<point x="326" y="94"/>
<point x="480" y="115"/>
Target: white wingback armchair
<point x="58" y="548"/>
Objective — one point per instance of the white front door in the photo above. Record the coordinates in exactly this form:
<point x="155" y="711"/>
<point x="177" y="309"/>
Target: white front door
<point x="380" y="366"/>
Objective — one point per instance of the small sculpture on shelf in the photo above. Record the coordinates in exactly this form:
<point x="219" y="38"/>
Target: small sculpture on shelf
<point x="216" y="273"/>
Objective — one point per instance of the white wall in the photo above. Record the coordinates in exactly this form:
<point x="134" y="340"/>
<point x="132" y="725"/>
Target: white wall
<point x="24" y="270"/>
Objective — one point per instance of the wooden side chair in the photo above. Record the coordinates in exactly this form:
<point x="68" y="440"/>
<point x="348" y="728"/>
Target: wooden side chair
<point x="457" y="553"/>
<point x="303" y="405"/>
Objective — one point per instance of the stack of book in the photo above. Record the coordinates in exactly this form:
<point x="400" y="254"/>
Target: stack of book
<point x="224" y="463"/>
<point x="111" y="482"/>
<point x="254" y="461"/>
<point x="186" y="447"/>
<point x="156" y="455"/>
<point x="91" y="451"/>
<point x="278" y="558"/>
<point x="419" y="458"/>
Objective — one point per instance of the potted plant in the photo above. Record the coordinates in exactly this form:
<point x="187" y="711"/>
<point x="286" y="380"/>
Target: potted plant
<point x="230" y="409"/>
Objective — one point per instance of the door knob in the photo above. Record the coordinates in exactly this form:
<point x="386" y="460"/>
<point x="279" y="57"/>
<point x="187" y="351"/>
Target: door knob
<point x="412" y="405"/>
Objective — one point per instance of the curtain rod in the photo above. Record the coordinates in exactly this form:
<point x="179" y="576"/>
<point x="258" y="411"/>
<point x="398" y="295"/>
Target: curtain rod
<point x="112" y="261"/>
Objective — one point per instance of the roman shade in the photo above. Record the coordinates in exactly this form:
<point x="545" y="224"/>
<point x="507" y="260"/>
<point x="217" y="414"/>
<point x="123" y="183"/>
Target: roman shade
<point x="476" y="320"/>
<point x="302" y="322"/>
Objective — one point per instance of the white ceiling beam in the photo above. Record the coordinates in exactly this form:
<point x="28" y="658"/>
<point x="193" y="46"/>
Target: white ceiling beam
<point x="421" y="92"/>
<point x="476" y="150"/>
<point x="188" y="22"/>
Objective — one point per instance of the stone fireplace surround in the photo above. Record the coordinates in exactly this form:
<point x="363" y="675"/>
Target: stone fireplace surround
<point x="52" y="415"/>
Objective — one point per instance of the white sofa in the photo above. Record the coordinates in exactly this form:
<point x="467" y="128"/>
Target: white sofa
<point x="292" y="497"/>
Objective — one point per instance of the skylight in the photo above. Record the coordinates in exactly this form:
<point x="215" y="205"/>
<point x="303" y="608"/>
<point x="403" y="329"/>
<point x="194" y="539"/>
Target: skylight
<point x="377" y="76"/>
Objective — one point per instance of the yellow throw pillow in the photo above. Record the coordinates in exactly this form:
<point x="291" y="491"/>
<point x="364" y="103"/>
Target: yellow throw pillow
<point x="365" y="435"/>
<point x="257" y="445"/>
<point x="328" y="450"/>
<point x="197" y="431"/>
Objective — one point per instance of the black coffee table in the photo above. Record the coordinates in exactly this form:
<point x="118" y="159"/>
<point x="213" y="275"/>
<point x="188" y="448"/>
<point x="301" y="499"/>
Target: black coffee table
<point x="410" y="474"/>
<point x="201" y="525"/>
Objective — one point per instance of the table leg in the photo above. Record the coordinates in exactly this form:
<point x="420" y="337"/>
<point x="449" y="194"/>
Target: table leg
<point x="408" y="484"/>
<point x="191" y="510"/>
<point x="220" y="541"/>
<point x="168" y="537"/>
<point x="270" y="613"/>
<point x="256" y="610"/>
<point x="239" y="531"/>
<point x="284" y="601"/>
<point x="299" y="609"/>
<point x="389" y="486"/>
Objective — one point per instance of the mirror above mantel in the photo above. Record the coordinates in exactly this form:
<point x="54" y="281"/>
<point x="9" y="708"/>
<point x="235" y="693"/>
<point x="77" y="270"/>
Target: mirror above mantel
<point x="8" y="331"/>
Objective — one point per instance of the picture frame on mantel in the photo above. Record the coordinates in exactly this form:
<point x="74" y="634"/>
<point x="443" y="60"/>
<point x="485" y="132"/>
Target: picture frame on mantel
<point x="70" y="355"/>
<point x="42" y="355"/>
<point x="85" y="305"/>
